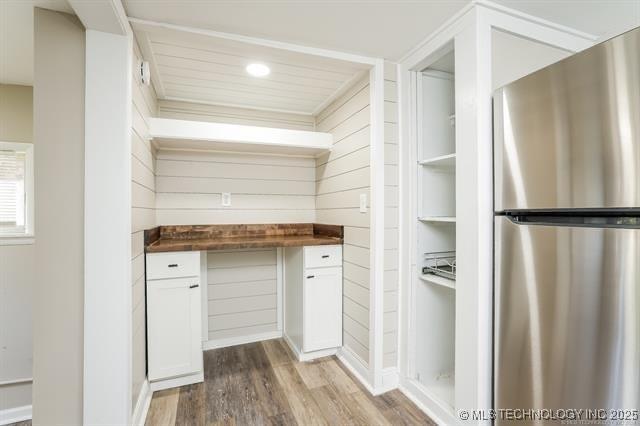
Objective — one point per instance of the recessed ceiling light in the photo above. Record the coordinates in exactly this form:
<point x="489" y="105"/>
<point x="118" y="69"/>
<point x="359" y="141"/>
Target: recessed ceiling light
<point x="258" y="70"/>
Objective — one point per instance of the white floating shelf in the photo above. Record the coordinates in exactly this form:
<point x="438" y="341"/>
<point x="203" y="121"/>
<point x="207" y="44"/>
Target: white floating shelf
<point x="448" y="160"/>
<point x="444" y="219"/>
<point x="198" y="135"/>
<point x="434" y="279"/>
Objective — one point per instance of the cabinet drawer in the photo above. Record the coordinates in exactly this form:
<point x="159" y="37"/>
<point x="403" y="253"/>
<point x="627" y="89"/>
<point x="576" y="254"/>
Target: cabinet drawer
<point x="322" y="256"/>
<point x="173" y="265"/>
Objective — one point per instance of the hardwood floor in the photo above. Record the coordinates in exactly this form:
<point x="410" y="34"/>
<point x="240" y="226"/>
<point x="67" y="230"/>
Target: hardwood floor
<point x="262" y="383"/>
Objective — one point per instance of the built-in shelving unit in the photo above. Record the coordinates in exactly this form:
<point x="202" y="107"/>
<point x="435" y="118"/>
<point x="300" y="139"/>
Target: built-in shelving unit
<point x="204" y="136"/>
<point x="434" y="304"/>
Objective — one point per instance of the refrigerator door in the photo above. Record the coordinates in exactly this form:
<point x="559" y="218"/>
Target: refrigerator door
<point x="568" y="136"/>
<point x="567" y="317"/>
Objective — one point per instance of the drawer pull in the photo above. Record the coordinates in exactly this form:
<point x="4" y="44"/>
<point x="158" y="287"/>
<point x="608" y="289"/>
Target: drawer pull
<point x="325" y="256"/>
<point x="172" y="265"/>
<point x="311" y="276"/>
<point x="194" y="285"/>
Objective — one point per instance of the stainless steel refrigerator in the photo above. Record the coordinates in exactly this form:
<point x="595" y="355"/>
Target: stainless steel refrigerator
<point x="567" y="233"/>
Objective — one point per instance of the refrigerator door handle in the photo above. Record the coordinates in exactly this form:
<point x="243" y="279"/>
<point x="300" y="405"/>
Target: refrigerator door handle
<point x="572" y="218"/>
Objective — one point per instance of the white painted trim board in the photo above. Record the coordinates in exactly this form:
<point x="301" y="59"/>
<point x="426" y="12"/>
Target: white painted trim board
<point x="240" y="340"/>
<point x="15" y="415"/>
<point x="308" y="356"/>
<point x="376" y="225"/>
<point x="107" y="249"/>
<point x="334" y="54"/>
<point x="177" y="381"/>
<point x="142" y="405"/>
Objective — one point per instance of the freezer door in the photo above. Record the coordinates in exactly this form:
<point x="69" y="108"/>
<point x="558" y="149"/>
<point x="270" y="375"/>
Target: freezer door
<point x="567" y="317"/>
<point x="568" y="136"/>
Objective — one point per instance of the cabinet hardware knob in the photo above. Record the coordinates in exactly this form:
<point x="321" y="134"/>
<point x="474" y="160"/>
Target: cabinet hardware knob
<point x="172" y="265"/>
<point x="194" y="285"/>
<point x="324" y="256"/>
<point x="311" y="276"/>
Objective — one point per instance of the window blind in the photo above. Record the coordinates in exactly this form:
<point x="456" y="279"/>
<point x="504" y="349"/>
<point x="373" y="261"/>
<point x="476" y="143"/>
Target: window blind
<point x="12" y="192"/>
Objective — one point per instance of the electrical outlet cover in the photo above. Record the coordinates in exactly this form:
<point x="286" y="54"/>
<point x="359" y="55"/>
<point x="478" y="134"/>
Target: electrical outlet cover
<point x="226" y="199"/>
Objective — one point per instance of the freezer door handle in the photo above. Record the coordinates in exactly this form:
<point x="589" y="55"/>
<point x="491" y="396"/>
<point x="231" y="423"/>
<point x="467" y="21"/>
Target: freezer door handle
<point x="628" y="219"/>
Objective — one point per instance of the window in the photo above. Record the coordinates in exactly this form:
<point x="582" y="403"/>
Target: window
<point x="16" y="189"/>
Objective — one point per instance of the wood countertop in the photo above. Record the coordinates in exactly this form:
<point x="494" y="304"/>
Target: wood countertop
<point x="227" y="237"/>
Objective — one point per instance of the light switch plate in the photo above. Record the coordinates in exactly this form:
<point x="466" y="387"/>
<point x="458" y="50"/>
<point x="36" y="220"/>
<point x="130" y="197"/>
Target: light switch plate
<point x="226" y="199"/>
<point x="363" y="203"/>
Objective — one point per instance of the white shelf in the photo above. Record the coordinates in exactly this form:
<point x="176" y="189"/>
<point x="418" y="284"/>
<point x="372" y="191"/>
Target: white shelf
<point x="448" y="160"/>
<point x="434" y="279"/>
<point x="204" y="136"/>
<point x="443" y="389"/>
<point x="442" y="219"/>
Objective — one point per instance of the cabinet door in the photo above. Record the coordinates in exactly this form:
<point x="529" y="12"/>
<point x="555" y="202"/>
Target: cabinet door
<point x="174" y="328"/>
<point x="322" y="309"/>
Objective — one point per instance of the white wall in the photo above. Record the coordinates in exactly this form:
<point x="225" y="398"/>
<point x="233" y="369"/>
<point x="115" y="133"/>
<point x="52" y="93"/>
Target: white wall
<point x="342" y="175"/>
<point x="391" y="196"/>
<point x="241" y="293"/>
<point x="143" y="200"/>
<point x="513" y="57"/>
<point x="58" y="103"/>
<point x="223" y="114"/>
<point x="16" y="267"/>
<point x="264" y="188"/>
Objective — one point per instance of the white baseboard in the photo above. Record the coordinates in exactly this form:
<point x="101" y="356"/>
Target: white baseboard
<point x="356" y="367"/>
<point x="436" y="410"/>
<point x="390" y="380"/>
<point x="14" y="415"/>
<point x="240" y="340"/>
<point x="308" y="356"/>
<point x="177" y="382"/>
<point x="142" y="405"/>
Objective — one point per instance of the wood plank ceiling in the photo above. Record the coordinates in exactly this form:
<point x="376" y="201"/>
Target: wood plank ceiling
<point x="199" y="67"/>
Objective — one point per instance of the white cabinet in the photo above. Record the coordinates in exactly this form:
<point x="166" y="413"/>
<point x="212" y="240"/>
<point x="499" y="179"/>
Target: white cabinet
<point x="322" y="306"/>
<point x="174" y="320"/>
<point x="313" y="300"/>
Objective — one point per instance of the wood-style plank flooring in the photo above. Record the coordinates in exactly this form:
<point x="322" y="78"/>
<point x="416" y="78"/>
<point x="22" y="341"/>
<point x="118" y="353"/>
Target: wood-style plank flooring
<point x="262" y="384"/>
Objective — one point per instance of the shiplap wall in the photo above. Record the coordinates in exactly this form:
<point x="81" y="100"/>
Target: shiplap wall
<point x="341" y="176"/>
<point x="222" y="114"/>
<point x="144" y="105"/>
<point x="264" y="188"/>
<point x="390" y="321"/>
<point x="242" y="293"/>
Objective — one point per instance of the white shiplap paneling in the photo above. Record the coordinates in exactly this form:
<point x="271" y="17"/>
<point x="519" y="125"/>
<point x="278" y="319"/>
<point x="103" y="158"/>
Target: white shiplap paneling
<point x="263" y="189"/>
<point x="221" y="114"/>
<point x="242" y="293"/>
<point x="342" y="175"/>
<point x="210" y="69"/>
<point x="390" y="303"/>
<point x="142" y="215"/>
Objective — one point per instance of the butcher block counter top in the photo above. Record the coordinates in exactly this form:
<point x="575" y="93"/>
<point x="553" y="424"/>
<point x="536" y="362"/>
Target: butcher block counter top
<point x="227" y="237"/>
